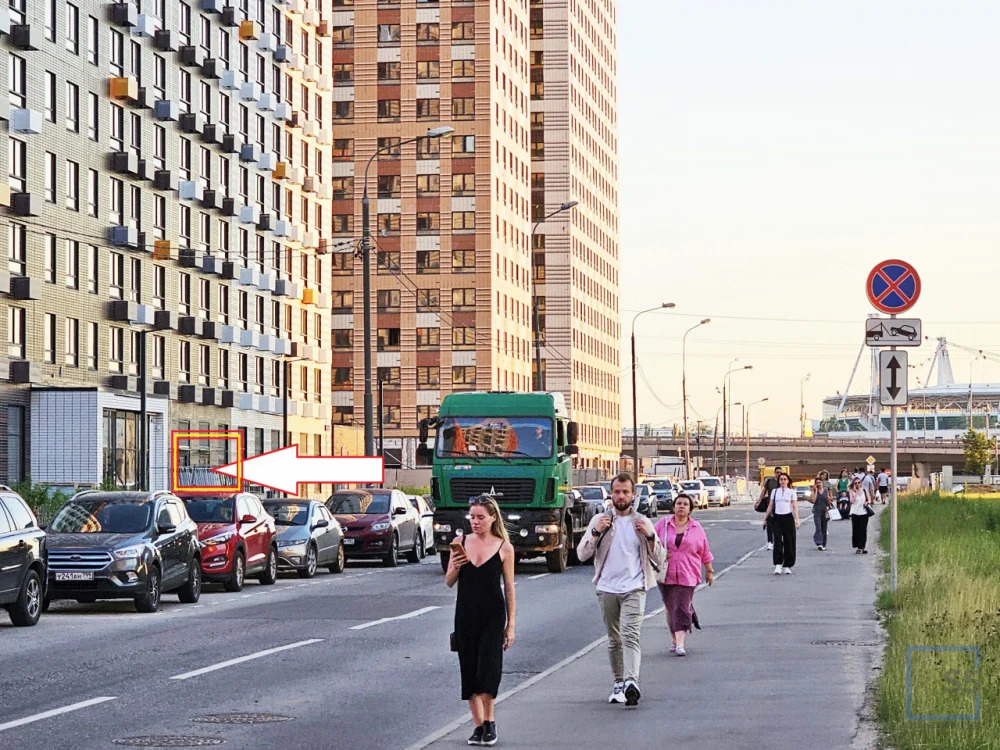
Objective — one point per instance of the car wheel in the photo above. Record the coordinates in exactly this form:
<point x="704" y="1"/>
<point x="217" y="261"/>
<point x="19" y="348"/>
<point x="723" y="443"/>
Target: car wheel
<point x="391" y="558"/>
<point x="557" y="560"/>
<point x="190" y="592"/>
<point x="26" y="610"/>
<point x="573" y="559"/>
<point x="429" y="548"/>
<point x="416" y="554"/>
<point x="445" y="558"/>
<point x="238" y="575"/>
<point x="341" y="559"/>
<point x="310" y="569"/>
<point x="270" y="574"/>
<point x="423" y="545"/>
<point x="150" y="600"/>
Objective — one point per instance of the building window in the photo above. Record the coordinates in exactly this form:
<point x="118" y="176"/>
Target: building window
<point x="92" y="43"/>
<point x="428" y="148"/>
<point x="389" y="186"/>
<point x="50" y="177"/>
<point x="92" y="333"/>
<point x="92" y="268"/>
<point x="72" y="28"/>
<point x="343" y="338"/>
<point x="16" y="332"/>
<point x="49" y="339"/>
<point x="135" y="280"/>
<point x="463" y="299"/>
<point x="463" y="260"/>
<point x="428" y="109"/>
<point x="428" y="261"/>
<point x="72" y="264"/>
<point x="428" y="69"/>
<point x="463" y="108"/>
<point x="343" y="110"/>
<point x="387" y="261"/>
<point x="184" y="361"/>
<point x="388" y="340"/>
<point x="388" y="299"/>
<point x="388" y="377"/>
<point x="116" y="349"/>
<point x="116" y="284"/>
<point x="428" y="299"/>
<point x="17" y="165"/>
<point x="463" y="144"/>
<point x="463" y="337"/>
<point x="429" y="376"/>
<point x="428" y="223"/>
<point x="463" y="377"/>
<point x="17" y="249"/>
<point x="388" y="33"/>
<point x="72" y="107"/>
<point x="428" y="338"/>
<point x="463" y="69"/>
<point x="50" y="96"/>
<point x="428" y="184"/>
<point x="15" y="444"/>
<point x="463" y="184"/>
<point x="388" y="110"/>
<point x="388" y="71"/>
<point x="463" y="221"/>
<point x="72" y="186"/>
<point x="463" y="31"/>
<point x="50" y="259"/>
<point x="18" y="92"/>
<point x="428" y="32"/>
<point x="72" y="342"/>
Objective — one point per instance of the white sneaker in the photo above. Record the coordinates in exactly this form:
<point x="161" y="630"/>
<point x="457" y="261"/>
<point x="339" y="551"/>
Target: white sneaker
<point x="777" y="570"/>
<point x="819" y="547"/>
<point x="786" y="571"/>
<point x="618" y="694"/>
<point x="770" y="546"/>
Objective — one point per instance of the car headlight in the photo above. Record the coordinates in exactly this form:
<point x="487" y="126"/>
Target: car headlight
<point x="381" y="526"/>
<point x="128" y="552"/>
<point x="547" y="528"/>
<point x="218" y="539"/>
<point x="291" y="542"/>
<point x="442" y="527"/>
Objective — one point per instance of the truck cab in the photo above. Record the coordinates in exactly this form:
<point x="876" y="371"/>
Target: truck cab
<point x="517" y="447"/>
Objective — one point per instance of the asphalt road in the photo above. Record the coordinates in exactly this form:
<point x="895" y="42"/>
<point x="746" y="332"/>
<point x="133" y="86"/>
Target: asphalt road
<point x="355" y="660"/>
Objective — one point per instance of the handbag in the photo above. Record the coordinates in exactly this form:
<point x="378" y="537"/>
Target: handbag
<point x="869" y="511"/>
<point x="762" y="503"/>
<point x="453" y="641"/>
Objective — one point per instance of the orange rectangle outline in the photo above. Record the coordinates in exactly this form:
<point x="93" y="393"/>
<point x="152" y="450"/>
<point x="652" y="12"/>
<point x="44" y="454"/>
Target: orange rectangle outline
<point x="177" y="435"/>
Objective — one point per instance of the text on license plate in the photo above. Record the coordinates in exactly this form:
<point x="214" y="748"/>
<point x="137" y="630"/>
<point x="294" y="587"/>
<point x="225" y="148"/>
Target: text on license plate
<point x="348" y="541"/>
<point x="86" y="576"/>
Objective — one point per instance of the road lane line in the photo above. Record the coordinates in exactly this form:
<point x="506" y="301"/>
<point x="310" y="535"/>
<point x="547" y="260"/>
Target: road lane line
<point x="536" y="577"/>
<point x="458" y="723"/>
<point x="407" y="616"/>
<point x="55" y="712"/>
<point x="248" y="657"/>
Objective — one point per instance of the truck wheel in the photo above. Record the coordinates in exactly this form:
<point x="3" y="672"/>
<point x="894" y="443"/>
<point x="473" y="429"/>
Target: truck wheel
<point x="573" y="559"/>
<point x="557" y="559"/>
<point x="445" y="557"/>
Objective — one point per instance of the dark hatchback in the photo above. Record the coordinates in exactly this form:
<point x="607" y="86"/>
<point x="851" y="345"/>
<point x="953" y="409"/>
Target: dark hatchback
<point x="22" y="559"/>
<point x="123" y="545"/>
<point x="377" y="523"/>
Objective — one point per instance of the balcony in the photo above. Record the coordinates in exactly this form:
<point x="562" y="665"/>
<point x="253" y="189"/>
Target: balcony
<point x="231" y="80"/>
<point x="163" y="250"/>
<point x="25" y="204"/>
<point x="309" y="296"/>
<point x="192" y="122"/>
<point x="124" y="14"/>
<point x="191" y="190"/>
<point x="283" y="111"/>
<point x="26" y="37"/>
<point x="280" y="171"/>
<point x="211" y="264"/>
<point x="231" y="17"/>
<point x="213" y="6"/>
<point x="25" y="288"/>
<point x="230" y="207"/>
<point x="250" y="214"/>
<point x="122" y="236"/>
<point x="267" y="102"/>
<point x="212" y="68"/>
<point x="145" y="25"/>
<point x="229" y="144"/>
<point x="212" y="133"/>
<point x="165" y="388"/>
<point x="124" y="162"/>
<point x="323" y="28"/>
<point x="310" y="73"/>
<point x="166" y="40"/>
<point x="310" y="238"/>
<point x="166" y="180"/>
<point x="310" y="17"/>
<point x="26" y="121"/>
<point x="165" y="320"/>
<point x="250" y="91"/>
<point x="164" y="109"/>
<point x="250" y="152"/>
<point x="191" y="56"/>
<point x="267" y="162"/>
<point x="249" y="30"/>
<point x="212" y="199"/>
<point x="124" y="89"/>
<point x="268" y="42"/>
<point x="286" y="288"/>
<point x="283" y="53"/>
<point x="189" y="325"/>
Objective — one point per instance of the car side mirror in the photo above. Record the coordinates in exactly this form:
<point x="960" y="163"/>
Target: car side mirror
<point x="571" y="450"/>
<point x="399" y="512"/>
<point x="248" y="519"/>
<point x="166" y="528"/>
<point x="321" y="524"/>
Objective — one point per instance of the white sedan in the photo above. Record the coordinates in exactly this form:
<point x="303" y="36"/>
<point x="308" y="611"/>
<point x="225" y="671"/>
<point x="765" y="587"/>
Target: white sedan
<point x="697" y="490"/>
<point x="426" y="521"/>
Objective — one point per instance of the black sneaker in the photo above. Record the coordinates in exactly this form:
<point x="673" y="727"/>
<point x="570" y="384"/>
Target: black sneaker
<point x="477" y="736"/>
<point x="489" y="733"/>
<point x="632" y="693"/>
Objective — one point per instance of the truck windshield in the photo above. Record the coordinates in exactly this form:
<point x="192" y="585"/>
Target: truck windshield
<point x="517" y="437"/>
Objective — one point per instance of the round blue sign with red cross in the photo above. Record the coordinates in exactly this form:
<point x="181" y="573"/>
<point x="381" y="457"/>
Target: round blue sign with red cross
<point x="893" y="286"/>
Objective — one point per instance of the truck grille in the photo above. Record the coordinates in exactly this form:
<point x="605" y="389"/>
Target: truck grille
<point x="59" y="560"/>
<point x="514" y="491"/>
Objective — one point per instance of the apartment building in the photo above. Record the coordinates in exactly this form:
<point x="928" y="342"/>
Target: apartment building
<point x="451" y="274"/>
<point x="165" y="216"/>
<point x="575" y="263"/>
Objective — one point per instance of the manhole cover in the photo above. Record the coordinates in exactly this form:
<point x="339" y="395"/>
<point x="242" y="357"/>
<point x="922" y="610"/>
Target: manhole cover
<point x="240" y="718"/>
<point x="170" y="740"/>
<point x="843" y="643"/>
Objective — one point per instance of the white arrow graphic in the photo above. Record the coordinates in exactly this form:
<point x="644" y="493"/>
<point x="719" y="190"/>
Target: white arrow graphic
<point x="284" y="470"/>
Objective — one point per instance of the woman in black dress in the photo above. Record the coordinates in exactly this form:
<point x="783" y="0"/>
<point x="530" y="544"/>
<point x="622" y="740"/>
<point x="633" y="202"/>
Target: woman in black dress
<point x="484" y="612"/>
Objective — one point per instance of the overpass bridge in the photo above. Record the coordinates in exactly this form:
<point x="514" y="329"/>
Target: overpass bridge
<point x="805" y="456"/>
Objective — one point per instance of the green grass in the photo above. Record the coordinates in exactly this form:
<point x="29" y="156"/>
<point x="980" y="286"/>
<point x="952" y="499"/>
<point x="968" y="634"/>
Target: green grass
<point x="948" y="595"/>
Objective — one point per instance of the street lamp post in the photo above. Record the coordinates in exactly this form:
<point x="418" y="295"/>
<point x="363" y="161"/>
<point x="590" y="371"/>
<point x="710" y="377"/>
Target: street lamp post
<point x="539" y="386"/>
<point x="684" y="399"/>
<point x="802" y="405"/>
<point x="746" y="432"/>
<point x="635" y="420"/>
<point x="366" y="237"/>
<point x="727" y="417"/>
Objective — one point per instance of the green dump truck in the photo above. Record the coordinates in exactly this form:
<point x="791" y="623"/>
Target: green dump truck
<point x="519" y="447"/>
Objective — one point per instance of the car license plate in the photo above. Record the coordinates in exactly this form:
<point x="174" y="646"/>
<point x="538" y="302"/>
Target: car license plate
<point x="86" y="576"/>
<point x="348" y="541"/>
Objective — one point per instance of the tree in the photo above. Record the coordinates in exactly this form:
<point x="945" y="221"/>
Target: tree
<point x="978" y="451"/>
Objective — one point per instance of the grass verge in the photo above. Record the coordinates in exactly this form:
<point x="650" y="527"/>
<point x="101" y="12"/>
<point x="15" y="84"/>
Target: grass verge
<point x="948" y="600"/>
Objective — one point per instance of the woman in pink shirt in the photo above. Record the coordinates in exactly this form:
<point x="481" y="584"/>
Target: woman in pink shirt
<point x="687" y="549"/>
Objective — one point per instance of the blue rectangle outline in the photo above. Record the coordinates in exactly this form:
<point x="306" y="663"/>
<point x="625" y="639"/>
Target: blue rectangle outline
<point x="975" y="716"/>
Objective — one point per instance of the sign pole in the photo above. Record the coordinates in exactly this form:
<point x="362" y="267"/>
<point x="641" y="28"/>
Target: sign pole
<point x="893" y="513"/>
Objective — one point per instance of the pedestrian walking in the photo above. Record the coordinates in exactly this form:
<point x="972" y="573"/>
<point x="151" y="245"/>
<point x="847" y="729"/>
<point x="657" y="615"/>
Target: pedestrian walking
<point x="868" y="483"/>
<point x="843" y="498"/>
<point x="687" y="550"/>
<point x="785" y="511"/>
<point x="627" y="556"/>
<point x="883" y="485"/>
<point x="861" y="503"/>
<point x="484" y="613"/>
<point x="770" y="485"/>
<point x="821" y="503"/>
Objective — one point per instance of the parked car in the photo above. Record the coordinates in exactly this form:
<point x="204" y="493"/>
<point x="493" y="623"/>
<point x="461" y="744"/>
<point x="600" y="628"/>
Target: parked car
<point x="426" y="511"/>
<point x="803" y="491"/>
<point x="377" y="523"/>
<point x="664" y="490"/>
<point x="718" y="494"/>
<point x="22" y="560"/>
<point x="123" y="545"/>
<point x="238" y="538"/>
<point x="696" y="489"/>
<point x="309" y="536"/>
<point x="606" y="486"/>
<point x="645" y="501"/>
<point x="595" y="496"/>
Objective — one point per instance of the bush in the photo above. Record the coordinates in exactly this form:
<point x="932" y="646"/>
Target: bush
<point x="41" y="499"/>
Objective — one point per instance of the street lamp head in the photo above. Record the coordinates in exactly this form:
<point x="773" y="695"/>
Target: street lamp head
<point x="748" y="367"/>
<point x="668" y="305"/>
<point x="440" y="132"/>
<point x="568" y="205"/>
<point x="706" y="320"/>
<point x="765" y="399"/>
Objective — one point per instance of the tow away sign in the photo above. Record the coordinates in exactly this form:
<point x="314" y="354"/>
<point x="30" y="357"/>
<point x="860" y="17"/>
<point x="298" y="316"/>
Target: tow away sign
<point x="893" y="332"/>
<point x="892" y="369"/>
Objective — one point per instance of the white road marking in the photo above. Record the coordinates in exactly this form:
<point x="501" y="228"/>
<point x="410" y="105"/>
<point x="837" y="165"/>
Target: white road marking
<point x="240" y="660"/>
<point x="407" y="616"/>
<point x="55" y="712"/>
<point x="246" y="596"/>
<point x="458" y="723"/>
<point x="535" y="577"/>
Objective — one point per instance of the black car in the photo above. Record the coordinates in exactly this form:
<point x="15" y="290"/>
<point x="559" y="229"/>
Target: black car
<point x="664" y="491"/>
<point x="645" y="503"/>
<point x="309" y="536"/>
<point x="123" y="545"/>
<point x="595" y="497"/>
<point x="22" y="559"/>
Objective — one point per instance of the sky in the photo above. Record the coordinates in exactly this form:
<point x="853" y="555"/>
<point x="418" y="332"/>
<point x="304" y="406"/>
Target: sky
<point x="772" y="152"/>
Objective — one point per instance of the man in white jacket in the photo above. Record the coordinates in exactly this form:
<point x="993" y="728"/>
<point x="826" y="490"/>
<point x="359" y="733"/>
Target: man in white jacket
<point x="627" y="555"/>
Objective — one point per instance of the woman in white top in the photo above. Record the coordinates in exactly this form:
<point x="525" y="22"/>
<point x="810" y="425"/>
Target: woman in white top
<point x="786" y="520"/>
<point x="860" y="502"/>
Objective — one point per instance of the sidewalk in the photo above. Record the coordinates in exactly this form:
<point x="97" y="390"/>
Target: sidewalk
<point x="759" y="675"/>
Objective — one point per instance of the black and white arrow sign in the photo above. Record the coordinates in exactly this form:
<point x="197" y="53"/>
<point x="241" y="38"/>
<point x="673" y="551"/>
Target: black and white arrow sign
<point x="892" y="370"/>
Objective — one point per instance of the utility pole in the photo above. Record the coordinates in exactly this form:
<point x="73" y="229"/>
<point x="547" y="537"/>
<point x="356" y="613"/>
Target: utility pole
<point x="687" y="439"/>
<point x="636" y="463"/>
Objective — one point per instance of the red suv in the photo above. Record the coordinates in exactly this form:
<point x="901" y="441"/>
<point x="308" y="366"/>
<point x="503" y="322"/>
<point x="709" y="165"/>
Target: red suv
<point x="237" y="537"/>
